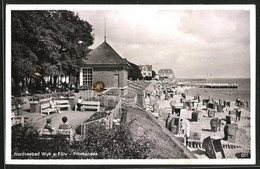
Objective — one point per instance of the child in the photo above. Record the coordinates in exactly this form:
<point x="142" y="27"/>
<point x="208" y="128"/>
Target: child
<point x="48" y="125"/>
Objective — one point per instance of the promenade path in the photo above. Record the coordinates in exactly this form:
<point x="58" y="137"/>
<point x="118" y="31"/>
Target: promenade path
<point x="39" y="120"/>
<point x="74" y="118"/>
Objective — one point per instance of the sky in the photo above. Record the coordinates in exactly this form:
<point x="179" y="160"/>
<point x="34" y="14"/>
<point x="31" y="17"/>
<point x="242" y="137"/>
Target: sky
<point x="193" y="43"/>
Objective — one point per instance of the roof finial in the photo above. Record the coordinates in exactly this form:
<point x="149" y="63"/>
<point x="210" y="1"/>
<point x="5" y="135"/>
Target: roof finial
<point x="105" y="37"/>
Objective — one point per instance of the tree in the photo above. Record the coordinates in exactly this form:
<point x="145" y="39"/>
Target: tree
<point x="54" y="42"/>
<point x="147" y="78"/>
<point x="134" y="72"/>
<point x="153" y="74"/>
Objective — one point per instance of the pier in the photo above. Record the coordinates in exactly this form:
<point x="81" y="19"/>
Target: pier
<point x="217" y="85"/>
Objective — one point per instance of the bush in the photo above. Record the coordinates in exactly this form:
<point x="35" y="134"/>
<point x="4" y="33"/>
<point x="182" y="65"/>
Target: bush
<point x="148" y="78"/>
<point x="99" y="144"/>
<point x="116" y="143"/>
<point x="27" y="140"/>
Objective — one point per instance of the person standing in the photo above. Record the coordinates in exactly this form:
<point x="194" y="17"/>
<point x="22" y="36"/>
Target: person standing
<point x="172" y="103"/>
<point x="167" y="119"/>
<point x="79" y="103"/>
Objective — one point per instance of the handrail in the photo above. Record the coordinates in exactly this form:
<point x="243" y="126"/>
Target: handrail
<point x="110" y="119"/>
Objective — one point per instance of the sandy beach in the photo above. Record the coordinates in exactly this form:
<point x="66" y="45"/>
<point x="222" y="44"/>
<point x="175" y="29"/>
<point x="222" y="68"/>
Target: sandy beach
<point x="243" y="132"/>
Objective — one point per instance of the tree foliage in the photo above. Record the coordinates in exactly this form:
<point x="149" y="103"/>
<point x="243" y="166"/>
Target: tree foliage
<point x="134" y="72"/>
<point x="53" y="42"/>
<point x="153" y="74"/>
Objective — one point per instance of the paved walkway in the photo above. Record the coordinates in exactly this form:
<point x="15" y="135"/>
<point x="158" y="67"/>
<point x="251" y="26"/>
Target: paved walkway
<point x="39" y="120"/>
<point x="74" y="118"/>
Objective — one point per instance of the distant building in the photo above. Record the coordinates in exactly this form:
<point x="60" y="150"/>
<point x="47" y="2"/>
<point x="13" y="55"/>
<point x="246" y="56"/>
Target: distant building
<point x="166" y="74"/>
<point x="104" y="64"/>
<point x="146" y="70"/>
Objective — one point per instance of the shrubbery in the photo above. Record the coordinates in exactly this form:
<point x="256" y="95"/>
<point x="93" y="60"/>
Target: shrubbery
<point x="98" y="144"/>
<point x="116" y="143"/>
<point x="27" y="140"/>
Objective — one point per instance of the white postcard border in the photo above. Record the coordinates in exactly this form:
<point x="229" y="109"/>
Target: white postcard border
<point x="252" y="160"/>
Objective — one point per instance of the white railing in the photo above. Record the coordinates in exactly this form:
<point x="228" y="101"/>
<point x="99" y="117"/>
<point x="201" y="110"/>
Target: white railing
<point x="109" y="120"/>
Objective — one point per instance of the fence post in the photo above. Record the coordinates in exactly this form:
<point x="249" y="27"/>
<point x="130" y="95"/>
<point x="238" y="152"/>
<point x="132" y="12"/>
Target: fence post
<point x="111" y="119"/>
<point x="105" y="102"/>
<point x="120" y="109"/>
<point x="107" y="123"/>
<point x="85" y="131"/>
<point x="22" y="121"/>
<point x="81" y="128"/>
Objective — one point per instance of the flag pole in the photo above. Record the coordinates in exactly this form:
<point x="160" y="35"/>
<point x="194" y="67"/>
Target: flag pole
<point x="105" y="37"/>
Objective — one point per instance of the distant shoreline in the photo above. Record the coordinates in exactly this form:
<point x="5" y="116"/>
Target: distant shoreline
<point x="207" y="78"/>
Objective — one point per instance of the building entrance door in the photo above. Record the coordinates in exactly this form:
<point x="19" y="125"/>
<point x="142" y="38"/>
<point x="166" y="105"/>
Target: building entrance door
<point x="116" y="80"/>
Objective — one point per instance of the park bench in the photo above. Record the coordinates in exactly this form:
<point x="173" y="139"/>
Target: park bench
<point x="47" y="134"/>
<point x="46" y="108"/>
<point x="90" y="105"/>
<point x="17" y="119"/>
<point x="66" y="133"/>
<point x="63" y="104"/>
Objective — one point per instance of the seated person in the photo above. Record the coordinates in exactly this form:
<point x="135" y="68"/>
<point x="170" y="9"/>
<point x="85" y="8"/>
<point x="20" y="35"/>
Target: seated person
<point x="66" y="126"/>
<point x="48" y="126"/>
<point x="54" y="105"/>
<point x="79" y="103"/>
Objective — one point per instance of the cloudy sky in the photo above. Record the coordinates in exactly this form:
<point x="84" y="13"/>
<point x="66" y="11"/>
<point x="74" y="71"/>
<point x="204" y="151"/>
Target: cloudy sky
<point x="193" y="43"/>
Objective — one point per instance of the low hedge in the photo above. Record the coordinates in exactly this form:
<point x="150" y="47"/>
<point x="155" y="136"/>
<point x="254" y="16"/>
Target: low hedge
<point x="98" y="144"/>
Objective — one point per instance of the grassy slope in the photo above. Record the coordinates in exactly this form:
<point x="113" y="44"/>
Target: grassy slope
<point x="165" y="145"/>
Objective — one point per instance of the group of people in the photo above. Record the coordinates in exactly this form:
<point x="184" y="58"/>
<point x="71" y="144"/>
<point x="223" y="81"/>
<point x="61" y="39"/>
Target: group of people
<point x="242" y="103"/>
<point x="54" y="105"/>
<point x="64" y="124"/>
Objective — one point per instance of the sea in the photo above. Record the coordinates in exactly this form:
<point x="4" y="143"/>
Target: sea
<point x="230" y="94"/>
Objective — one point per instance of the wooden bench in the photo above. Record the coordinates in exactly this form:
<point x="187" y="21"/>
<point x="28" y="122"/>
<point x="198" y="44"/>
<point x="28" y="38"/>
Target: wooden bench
<point x="46" y="108"/>
<point x="90" y="105"/>
<point x="67" y="133"/>
<point x="47" y="134"/>
<point x="64" y="133"/>
<point x="17" y="119"/>
<point x="63" y="104"/>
